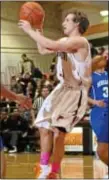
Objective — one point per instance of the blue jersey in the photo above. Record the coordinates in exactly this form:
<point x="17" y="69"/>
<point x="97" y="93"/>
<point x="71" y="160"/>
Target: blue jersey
<point x="99" y="115"/>
<point x="99" y="89"/>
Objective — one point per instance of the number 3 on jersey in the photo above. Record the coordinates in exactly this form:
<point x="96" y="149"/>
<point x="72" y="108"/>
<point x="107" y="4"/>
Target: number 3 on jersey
<point x="105" y="92"/>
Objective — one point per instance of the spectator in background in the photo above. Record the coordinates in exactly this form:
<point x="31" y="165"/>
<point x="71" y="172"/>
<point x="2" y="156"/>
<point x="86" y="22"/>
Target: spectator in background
<point x="53" y="65"/>
<point x="19" y="87"/>
<point x="3" y="102"/>
<point x="25" y="80"/>
<point x="16" y="86"/>
<point x="4" y="128"/>
<point x="101" y="50"/>
<point x="39" y="101"/>
<point x="30" y="90"/>
<point x="94" y="51"/>
<point x="27" y="65"/>
<point x="39" y="87"/>
<point x="13" y="84"/>
<point x="36" y="73"/>
<point x="15" y="127"/>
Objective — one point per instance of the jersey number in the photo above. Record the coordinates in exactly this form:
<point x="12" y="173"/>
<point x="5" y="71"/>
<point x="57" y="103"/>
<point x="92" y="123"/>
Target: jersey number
<point x="105" y="92"/>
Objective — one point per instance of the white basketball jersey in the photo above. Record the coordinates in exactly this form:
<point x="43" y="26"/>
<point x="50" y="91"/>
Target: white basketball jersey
<point x="79" y="75"/>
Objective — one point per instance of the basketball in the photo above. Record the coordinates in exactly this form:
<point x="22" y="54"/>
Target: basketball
<point x="32" y="12"/>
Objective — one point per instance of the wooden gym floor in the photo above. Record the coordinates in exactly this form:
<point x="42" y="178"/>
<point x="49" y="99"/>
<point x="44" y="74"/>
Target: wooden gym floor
<point x="21" y="166"/>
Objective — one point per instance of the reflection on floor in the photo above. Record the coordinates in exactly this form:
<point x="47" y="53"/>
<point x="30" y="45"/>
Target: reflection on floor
<point x="84" y="167"/>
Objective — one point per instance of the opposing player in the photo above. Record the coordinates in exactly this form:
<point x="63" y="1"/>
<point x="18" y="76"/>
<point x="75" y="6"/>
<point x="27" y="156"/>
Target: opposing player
<point x="99" y="99"/>
<point x="24" y="102"/>
<point x="66" y="104"/>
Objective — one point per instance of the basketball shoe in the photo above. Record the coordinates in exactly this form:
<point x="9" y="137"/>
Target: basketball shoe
<point x="42" y="171"/>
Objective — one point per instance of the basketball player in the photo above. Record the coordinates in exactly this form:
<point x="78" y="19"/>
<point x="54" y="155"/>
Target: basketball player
<point x="66" y="104"/>
<point x="99" y="99"/>
<point x="26" y="103"/>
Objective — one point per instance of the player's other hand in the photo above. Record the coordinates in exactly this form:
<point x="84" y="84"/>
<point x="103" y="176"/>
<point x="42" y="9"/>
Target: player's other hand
<point x="100" y="103"/>
<point x="24" y="101"/>
<point x="25" y="26"/>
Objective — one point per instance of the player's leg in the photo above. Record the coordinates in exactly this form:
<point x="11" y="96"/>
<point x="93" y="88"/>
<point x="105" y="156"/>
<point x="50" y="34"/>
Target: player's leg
<point x="58" y="153"/>
<point x="2" y="161"/>
<point x="46" y="142"/>
<point x="102" y="151"/>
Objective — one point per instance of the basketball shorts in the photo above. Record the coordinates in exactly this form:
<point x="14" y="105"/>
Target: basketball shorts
<point x="100" y="124"/>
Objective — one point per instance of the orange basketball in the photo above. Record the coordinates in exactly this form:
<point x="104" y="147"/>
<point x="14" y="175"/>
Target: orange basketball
<point x="32" y="12"/>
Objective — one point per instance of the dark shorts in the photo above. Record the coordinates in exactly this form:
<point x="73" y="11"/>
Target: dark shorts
<point x="61" y="129"/>
<point x="100" y="124"/>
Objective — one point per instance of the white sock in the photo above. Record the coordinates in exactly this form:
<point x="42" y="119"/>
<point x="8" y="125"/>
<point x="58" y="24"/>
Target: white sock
<point x="44" y="167"/>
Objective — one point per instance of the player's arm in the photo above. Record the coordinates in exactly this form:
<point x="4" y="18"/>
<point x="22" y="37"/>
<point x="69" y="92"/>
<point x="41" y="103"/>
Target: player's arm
<point x="91" y="101"/>
<point x="7" y="93"/>
<point x="21" y="99"/>
<point x="68" y="45"/>
<point x="94" y="102"/>
<point x="43" y="50"/>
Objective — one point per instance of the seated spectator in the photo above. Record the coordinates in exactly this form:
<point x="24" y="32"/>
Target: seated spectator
<point x="19" y="87"/>
<point x="12" y="105"/>
<point x="25" y="80"/>
<point x="15" y="127"/>
<point x="24" y="113"/>
<point x="13" y="84"/>
<point x="53" y="65"/>
<point x="16" y="86"/>
<point x="3" y="102"/>
<point x="30" y="90"/>
<point x="40" y="83"/>
<point x="4" y="127"/>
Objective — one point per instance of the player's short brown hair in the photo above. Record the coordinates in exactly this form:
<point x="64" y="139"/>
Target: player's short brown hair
<point x="80" y="18"/>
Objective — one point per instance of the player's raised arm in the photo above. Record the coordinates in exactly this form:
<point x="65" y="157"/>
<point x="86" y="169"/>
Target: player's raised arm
<point x="42" y="50"/>
<point x="68" y="45"/>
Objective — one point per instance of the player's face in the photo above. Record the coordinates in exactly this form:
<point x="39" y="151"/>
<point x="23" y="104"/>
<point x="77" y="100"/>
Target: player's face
<point x="69" y="25"/>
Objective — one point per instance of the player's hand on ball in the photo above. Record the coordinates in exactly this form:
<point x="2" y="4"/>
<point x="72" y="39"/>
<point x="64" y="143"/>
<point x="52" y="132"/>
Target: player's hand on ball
<point x="25" y="26"/>
<point x="100" y="103"/>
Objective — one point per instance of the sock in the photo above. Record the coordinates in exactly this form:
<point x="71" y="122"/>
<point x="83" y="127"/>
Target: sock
<point x="44" y="158"/>
<point x="55" y="167"/>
